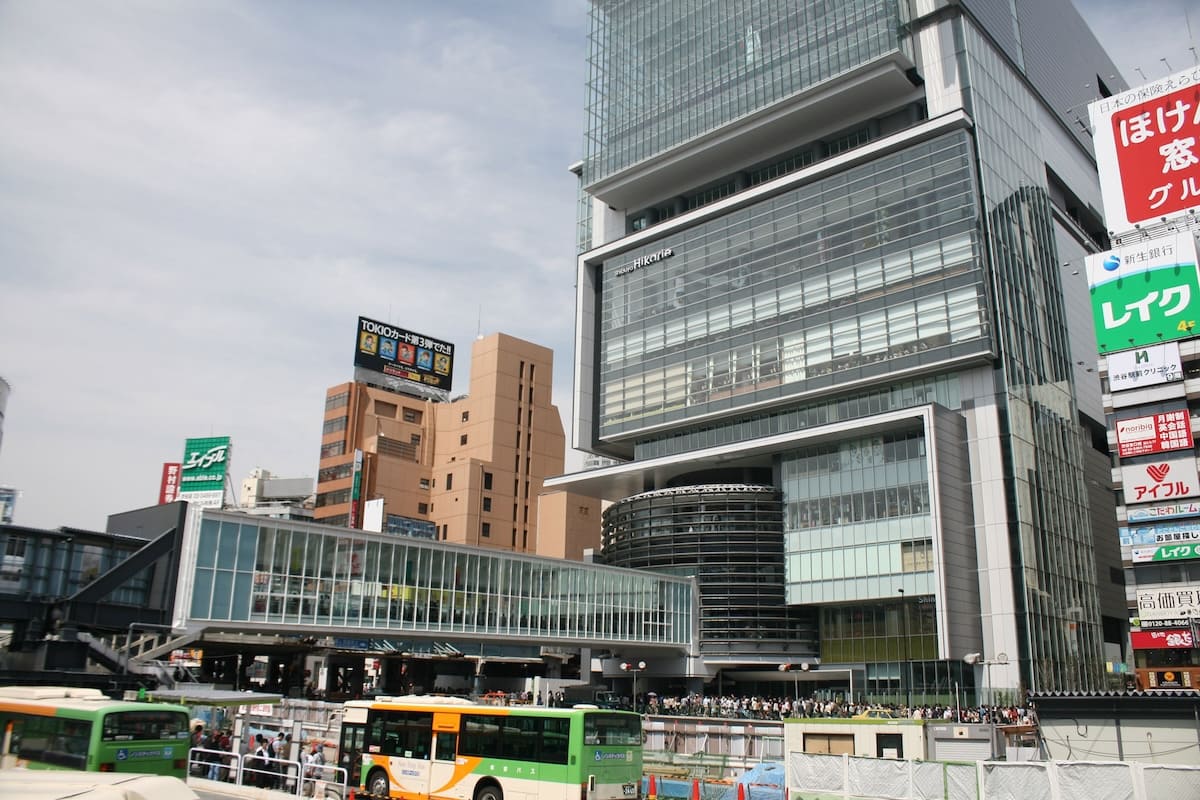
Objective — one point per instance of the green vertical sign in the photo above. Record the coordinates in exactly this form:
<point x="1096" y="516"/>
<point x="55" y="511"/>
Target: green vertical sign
<point x="203" y="469"/>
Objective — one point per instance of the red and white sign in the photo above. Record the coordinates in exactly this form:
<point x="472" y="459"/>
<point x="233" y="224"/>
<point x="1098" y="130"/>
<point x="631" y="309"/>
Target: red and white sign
<point x="1162" y="640"/>
<point x="1158" y="433"/>
<point x="1162" y="480"/>
<point x="168" y="489"/>
<point x="1148" y="150"/>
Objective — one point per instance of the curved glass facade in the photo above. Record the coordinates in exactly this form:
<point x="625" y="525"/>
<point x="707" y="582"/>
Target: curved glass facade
<point x="855" y="275"/>
<point x="278" y="575"/>
<point x="730" y="538"/>
<point x="663" y="73"/>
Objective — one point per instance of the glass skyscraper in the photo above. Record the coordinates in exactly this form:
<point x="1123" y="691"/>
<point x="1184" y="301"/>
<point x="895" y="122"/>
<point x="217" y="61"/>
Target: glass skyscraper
<point x="822" y="326"/>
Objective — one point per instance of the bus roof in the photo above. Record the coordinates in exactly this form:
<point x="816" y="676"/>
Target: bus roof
<point x="47" y="698"/>
<point x="36" y="784"/>
<point x="437" y="701"/>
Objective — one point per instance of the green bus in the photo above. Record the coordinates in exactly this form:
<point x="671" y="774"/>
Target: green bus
<point x="451" y="749"/>
<point x="60" y="727"/>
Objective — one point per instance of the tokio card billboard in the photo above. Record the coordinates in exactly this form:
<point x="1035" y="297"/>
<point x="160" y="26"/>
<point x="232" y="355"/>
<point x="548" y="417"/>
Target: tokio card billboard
<point x="1162" y="480"/>
<point x="1145" y="293"/>
<point x="402" y="360"/>
<point x="204" y="470"/>
<point x="1147" y="144"/>
<point x="1154" y="433"/>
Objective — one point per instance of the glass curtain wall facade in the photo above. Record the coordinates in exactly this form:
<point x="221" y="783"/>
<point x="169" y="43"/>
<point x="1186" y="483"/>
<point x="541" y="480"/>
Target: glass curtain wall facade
<point x="261" y="573"/>
<point x="663" y="73"/>
<point x="1056" y="581"/>
<point x="857" y="275"/>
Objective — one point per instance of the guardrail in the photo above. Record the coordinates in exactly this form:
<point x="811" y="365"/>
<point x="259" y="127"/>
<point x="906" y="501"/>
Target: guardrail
<point x="278" y="774"/>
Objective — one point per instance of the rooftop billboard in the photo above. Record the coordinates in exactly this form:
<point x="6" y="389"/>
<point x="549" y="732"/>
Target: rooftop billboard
<point x="406" y="361"/>
<point x="204" y="469"/>
<point x="1147" y="150"/>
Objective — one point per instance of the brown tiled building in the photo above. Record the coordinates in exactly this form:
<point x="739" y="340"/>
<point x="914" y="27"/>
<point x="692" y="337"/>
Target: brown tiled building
<point x="468" y="471"/>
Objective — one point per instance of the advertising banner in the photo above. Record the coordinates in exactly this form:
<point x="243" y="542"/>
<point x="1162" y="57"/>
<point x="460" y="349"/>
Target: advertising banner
<point x="1157" y="433"/>
<point x="1169" y="639"/>
<point x="1146" y="150"/>
<point x="204" y="469"/>
<point x="1145" y="293"/>
<point x="1160" y="624"/>
<point x="1164" y="511"/>
<point x="1165" y="480"/>
<point x="1145" y="366"/>
<point x="168" y="487"/>
<point x="1164" y="533"/>
<point x="355" y="488"/>
<point x="408" y="359"/>
<point x="1164" y="552"/>
<point x="1169" y="601"/>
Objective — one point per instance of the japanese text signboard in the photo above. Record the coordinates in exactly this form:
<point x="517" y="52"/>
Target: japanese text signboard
<point x="1167" y="552"/>
<point x="168" y="488"/>
<point x="204" y="470"/>
<point x="1157" y="433"/>
<point x="1176" y="600"/>
<point x="1145" y="293"/>
<point x="1145" y="366"/>
<point x="1162" y="640"/>
<point x="1163" y="480"/>
<point x="402" y="360"/>
<point x="1164" y="511"/>
<point x="1148" y="150"/>
<point x="1162" y="533"/>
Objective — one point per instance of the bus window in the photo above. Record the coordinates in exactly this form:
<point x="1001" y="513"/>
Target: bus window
<point x="612" y="729"/>
<point x="445" y="746"/>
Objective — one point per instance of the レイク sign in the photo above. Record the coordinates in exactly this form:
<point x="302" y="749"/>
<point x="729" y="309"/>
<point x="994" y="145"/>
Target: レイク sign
<point x="1145" y="293"/>
<point x="1147" y="143"/>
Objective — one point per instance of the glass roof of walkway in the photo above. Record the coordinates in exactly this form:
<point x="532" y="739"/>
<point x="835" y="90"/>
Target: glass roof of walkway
<point x="250" y="574"/>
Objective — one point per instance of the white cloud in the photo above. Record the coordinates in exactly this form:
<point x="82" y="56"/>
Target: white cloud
<point x="199" y="199"/>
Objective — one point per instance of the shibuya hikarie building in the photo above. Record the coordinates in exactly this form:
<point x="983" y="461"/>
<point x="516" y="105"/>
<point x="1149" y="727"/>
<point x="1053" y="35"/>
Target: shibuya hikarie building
<point x="827" y="326"/>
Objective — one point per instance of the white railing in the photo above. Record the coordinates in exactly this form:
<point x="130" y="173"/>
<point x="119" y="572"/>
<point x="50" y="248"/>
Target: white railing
<point x="279" y="774"/>
<point x="858" y="778"/>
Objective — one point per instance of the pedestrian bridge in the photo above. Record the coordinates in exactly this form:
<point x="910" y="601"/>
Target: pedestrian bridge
<point x="208" y="576"/>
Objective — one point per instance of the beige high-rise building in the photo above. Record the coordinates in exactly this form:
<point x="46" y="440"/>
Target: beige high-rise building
<point x="468" y="471"/>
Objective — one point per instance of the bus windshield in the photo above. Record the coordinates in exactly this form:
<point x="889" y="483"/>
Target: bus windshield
<point x="620" y="730"/>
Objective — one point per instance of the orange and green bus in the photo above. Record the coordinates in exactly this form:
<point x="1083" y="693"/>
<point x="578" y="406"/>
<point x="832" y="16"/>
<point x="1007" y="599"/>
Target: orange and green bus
<point x="60" y="727"/>
<point x="451" y="749"/>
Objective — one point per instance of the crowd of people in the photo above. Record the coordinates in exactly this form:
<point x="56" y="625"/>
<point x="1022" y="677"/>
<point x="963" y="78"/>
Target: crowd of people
<point x="265" y="762"/>
<point x="768" y="708"/>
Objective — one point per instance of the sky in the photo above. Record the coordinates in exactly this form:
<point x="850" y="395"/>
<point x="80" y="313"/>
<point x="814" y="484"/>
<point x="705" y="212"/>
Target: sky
<point x="198" y="198"/>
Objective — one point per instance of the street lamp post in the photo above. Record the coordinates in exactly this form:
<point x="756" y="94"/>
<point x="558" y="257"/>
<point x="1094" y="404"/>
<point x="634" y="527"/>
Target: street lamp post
<point x="635" y="668"/>
<point x="907" y="679"/>
<point x="792" y="669"/>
